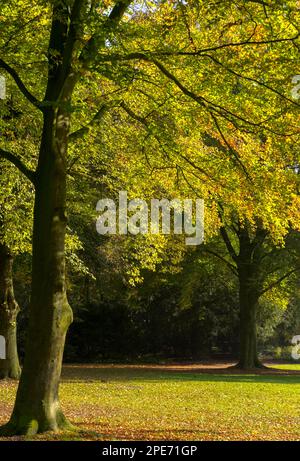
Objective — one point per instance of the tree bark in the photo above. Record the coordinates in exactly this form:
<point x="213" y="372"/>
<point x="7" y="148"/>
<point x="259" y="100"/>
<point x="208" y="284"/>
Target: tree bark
<point x="248" y="269"/>
<point x="9" y="309"/>
<point x="37" y="407"/>
<point x="248" y="300"/>
<point x="247" y="266"/>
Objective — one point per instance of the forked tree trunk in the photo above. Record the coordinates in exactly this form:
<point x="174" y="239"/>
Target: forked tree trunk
<point x="9" y="309"/>
<point x="37" y="407"/>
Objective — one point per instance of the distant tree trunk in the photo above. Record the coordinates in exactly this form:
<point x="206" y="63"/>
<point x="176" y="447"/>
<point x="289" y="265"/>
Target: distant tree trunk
<point x="248" y="268"/>
<point x="9" y="309"/>
<point x="248" y="300"/>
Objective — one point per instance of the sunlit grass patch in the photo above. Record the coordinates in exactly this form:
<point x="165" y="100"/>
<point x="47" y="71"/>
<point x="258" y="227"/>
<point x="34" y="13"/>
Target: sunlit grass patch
<point x="143" y="404"/>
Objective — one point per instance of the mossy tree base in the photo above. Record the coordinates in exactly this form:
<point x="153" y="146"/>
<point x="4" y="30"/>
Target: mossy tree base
<point x="30" y="425"/>
<point x="13" y="373"/>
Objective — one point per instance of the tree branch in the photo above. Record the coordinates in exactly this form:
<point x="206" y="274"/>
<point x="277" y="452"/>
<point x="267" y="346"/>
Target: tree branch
<point x="277" y="282"/>
<point x="205" y="103"/>
<point x="144" y="122"/>
<point x="230" y="148"/>
<point x="228" y="243"/>
<point x="201" y="100"/>
<point x="29" y="96"/>
<point x="231" y="266"/>
<point x="136" y="55"/>
<point x="112" y="21"/>
<point x="250" y="79"/>
<point x="233" y="44"/>
<point x="81" y="132"/>
<point x="15" y="160"/>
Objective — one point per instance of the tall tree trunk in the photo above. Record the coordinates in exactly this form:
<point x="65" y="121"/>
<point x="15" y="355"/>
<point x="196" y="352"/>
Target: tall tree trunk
<point x="9" y="309"/>
<point x="247" y="267"/>
<point x="248" y="300"/>
<point x="37" y="407"/>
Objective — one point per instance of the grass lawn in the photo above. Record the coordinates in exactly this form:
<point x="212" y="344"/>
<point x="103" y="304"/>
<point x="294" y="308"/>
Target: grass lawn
<point x="173" y="403"/>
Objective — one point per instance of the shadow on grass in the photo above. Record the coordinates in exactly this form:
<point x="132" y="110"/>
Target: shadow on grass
<point x="110" y="374"/>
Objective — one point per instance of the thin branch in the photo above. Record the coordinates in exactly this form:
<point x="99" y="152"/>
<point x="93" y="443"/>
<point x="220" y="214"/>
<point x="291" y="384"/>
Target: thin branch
<point x="201" y="100"/>
<point x="144" y="122"/>
<point x="32" y="99"/>
<point x="228" y="243"/>
<point x="197" y="167"/>
<point x="112" y="21"/>
<point x="233" y="44"/>
<point x="232" y="267"/>
<point x="277" y="282"/>
<point x="15" y="160"/>
<point x="230" y="148"/>
<point x="205" y="103"/>
<point x="250" y="79"/>
<point x="182" y="171"/>
<point x="260" y="237"/>
<point x="204" y="50"/>
<point x="133" y="115"/>
<point x="81" y="132"/>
